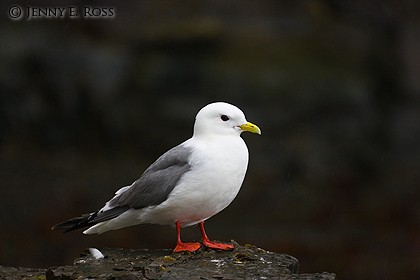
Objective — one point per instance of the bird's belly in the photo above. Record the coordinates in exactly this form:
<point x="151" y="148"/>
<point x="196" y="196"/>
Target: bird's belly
<point x="199" y="196"/>
<point x="190" y="207"/>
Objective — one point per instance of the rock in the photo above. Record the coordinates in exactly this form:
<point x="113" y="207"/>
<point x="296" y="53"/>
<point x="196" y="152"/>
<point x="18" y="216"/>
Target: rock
<point x="12" y="273"/>
<point x="244" y="262"/>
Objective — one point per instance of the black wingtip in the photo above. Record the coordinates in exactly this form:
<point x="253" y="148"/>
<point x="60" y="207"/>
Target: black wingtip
<point x="91" y="219"/>
<point x="74" y="223"/>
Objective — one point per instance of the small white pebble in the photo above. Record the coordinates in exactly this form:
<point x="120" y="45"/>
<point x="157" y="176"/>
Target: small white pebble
<point x="96" y="253"/>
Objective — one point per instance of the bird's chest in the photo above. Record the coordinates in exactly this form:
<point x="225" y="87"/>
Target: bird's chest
<point x="214" y="180"/>
<point x="220" y="170"/>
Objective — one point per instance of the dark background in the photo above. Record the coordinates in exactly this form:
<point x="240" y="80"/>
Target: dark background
<point x="87" y="104"/>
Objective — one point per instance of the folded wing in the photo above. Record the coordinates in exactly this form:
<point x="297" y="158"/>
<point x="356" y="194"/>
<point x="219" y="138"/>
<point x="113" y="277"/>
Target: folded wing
<point x="152" y="188"/>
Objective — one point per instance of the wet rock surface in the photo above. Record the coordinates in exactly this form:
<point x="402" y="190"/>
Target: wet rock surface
<point x="244" y="262"/>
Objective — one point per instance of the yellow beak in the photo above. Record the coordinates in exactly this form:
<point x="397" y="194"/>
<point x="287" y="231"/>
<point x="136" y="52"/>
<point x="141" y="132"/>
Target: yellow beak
<point x="251" y="128"/>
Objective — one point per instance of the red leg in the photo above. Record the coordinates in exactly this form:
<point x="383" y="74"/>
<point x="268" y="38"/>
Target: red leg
<point x="213" y="244"/>
<point x="181" y="246"/>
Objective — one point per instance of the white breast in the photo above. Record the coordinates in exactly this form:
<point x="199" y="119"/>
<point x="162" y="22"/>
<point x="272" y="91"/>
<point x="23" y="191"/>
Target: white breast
<point x="217" y="171"/>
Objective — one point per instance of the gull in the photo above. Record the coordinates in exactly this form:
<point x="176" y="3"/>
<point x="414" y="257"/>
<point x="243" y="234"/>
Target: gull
<point x="186" y="185"/>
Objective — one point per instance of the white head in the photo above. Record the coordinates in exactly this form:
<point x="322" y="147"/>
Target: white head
<point x="222" y="119"/>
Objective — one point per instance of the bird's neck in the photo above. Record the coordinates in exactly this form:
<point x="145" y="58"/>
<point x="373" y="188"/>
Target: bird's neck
<point x="222" y="143"/>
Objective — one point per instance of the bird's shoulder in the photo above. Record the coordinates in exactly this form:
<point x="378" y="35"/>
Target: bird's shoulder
<point x="177" y="156"/>
<point x="157" y="181"/>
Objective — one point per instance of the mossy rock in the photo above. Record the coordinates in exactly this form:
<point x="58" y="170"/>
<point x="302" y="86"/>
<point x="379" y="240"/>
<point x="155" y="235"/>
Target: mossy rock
<point x="244" y="262"/>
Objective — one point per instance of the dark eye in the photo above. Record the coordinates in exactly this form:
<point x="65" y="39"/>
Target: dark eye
<point x="224" y="118"/>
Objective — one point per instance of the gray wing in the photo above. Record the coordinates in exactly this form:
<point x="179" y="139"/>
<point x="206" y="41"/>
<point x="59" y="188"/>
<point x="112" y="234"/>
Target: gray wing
<point x="157" y="182"/>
